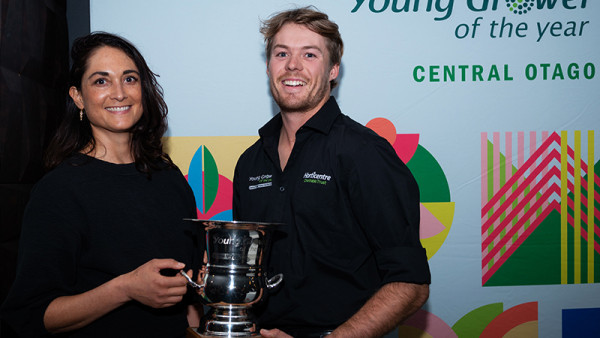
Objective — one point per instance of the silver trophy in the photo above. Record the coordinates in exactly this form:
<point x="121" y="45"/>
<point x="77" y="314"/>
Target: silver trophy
<point x="233" y="279"/>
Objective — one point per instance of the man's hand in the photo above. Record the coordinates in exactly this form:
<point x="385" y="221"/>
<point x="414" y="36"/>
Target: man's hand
<point x="274" y="333"/>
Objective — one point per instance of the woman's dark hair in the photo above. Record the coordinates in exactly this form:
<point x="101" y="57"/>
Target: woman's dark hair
<point x="74" y="136"/>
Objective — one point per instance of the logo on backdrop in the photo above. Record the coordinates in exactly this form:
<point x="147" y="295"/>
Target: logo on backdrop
<point x="520" y="6"/>
<point x="486" y="24"/>
<point x="539" y="214"/>
<point x="210" y="161"/>
<point x="443" y="9"/>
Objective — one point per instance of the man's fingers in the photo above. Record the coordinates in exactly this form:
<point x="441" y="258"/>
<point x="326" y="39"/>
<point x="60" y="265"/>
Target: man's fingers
<point x="274" y="333"/>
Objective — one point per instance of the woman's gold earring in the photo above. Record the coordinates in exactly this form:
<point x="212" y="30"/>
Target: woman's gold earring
<point x="81" y="115"/>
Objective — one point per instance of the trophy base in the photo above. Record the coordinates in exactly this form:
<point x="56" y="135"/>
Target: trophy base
<point x="228" y="322"/>
<point x="193" y="333"/>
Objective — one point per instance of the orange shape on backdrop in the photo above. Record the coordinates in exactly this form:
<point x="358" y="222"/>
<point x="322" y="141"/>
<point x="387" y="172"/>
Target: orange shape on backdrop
<point x="384" y="128"/>
<point x="404" y="144"/>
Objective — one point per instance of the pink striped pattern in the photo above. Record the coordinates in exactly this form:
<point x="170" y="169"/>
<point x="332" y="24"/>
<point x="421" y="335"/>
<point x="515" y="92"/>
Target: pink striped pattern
<point x="518" y="205"/>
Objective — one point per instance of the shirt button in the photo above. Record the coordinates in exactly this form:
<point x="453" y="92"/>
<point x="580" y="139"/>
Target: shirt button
<point x="282" y="189"/>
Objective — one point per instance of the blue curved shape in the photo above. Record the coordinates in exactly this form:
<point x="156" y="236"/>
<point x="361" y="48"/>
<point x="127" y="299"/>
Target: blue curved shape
<point x="226" y="215"/>
<point x="195" y="178"/>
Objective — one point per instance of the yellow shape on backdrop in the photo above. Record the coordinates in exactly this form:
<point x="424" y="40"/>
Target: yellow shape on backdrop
<point x="225" y="149"/>
<point x="529" y="329"/>
<point x="444" y="213"/>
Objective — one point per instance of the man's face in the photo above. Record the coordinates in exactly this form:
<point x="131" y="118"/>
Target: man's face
<point x="299" y="70"/>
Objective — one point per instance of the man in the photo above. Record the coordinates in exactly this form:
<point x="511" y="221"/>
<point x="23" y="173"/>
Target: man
<point x="351" y="257"/>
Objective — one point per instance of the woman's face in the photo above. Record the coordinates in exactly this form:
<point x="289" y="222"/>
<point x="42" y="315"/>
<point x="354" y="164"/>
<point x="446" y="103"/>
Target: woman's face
<point x="111" y="93"/>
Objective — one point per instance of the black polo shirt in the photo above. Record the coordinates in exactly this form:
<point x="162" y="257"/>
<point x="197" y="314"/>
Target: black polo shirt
<point x="351" y="209"/>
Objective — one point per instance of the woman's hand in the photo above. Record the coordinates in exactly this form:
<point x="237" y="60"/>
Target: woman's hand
<point x="148" y="286"/>
<point x="144" y="284"/>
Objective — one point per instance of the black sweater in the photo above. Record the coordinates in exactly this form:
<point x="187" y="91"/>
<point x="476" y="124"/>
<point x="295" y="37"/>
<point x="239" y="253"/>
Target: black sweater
<point x="89" y="221"/>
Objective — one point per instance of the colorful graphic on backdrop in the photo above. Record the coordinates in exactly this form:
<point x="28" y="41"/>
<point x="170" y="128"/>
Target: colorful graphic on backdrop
<point x="213" y="191"/>
<point x="485" y="322"/>
<point x="209" y="163"/>
<point x="437" y="210"/>
<point x="539" y="215"/>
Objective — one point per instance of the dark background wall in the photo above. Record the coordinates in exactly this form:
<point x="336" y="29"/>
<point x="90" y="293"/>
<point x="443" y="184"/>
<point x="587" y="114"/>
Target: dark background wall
<point x="78" y="19"/>
<point x="35" y="38"/>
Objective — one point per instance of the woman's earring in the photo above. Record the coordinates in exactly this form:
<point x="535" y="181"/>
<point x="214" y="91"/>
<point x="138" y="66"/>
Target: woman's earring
<point x="81" y="115"/>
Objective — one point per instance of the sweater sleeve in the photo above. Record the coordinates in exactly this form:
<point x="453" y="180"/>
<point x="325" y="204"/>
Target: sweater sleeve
<point x="49" y="245"/>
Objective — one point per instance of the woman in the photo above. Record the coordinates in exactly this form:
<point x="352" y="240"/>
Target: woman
<point x="103" y="232"/>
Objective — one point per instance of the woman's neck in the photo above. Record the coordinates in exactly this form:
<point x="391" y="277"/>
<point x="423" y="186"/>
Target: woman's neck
<point x="114" y="149"/>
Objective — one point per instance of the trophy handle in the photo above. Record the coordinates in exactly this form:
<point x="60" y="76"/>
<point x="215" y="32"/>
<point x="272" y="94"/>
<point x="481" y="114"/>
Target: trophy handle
<point x="191" y="282"/>
<point x="274" y="281"/>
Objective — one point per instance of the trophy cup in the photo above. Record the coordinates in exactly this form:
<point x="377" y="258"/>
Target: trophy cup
<point x="233" y="279"/>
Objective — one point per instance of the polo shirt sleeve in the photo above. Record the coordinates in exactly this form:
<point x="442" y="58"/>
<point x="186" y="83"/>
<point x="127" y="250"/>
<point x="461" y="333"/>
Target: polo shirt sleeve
<point x="384" y="197"/>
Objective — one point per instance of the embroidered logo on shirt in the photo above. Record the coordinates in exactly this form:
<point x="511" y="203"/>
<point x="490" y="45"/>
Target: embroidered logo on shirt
<point x="260" y="181"/>
<point x="316" y="178"/>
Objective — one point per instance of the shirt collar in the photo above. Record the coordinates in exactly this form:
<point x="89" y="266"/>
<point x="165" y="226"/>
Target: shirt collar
<point x="321" y="121"/>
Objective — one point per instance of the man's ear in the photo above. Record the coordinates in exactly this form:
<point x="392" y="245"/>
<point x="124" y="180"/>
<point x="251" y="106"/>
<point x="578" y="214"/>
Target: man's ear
<point x="334" y="72"/>
<point x="75" y="94"/>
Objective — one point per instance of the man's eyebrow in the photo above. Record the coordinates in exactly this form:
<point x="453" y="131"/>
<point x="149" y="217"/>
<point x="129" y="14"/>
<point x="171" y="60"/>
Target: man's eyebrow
<point x="303" y="48"/>
<point x="313" y="47"/>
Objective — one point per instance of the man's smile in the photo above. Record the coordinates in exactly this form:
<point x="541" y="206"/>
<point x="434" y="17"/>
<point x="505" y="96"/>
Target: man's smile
<point x="294" y="83"/>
